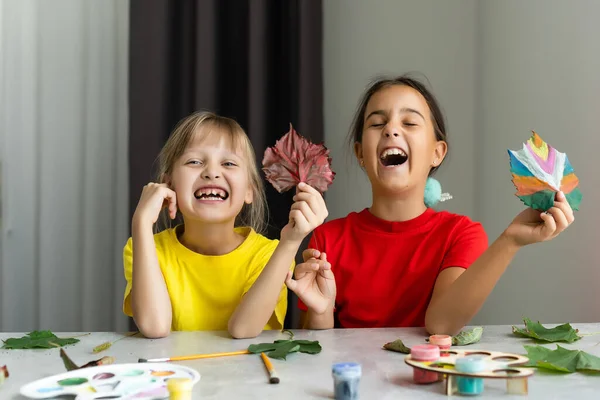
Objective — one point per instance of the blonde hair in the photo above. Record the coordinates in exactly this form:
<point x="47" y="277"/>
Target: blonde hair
<point x="253" y="215"/>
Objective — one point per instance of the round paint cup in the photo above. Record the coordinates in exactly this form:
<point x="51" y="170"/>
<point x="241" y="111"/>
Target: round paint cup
<point x="470" y="364"/>
<point x="444" y="342"/>
<point x="346" y="379"/>
<point x="180" y="388"/>
<point x="425" y="352"/>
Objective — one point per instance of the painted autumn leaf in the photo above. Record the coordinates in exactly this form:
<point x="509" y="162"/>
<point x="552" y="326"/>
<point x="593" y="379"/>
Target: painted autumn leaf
<point x="38" y="340"/>
<point x="294" y="159"/>
<point x="281" y="348"/>
<point x="397" y="345"/>
<point x="562" y="360"/>
<point x="535" y="330"/>
<point x="468" y="337"/>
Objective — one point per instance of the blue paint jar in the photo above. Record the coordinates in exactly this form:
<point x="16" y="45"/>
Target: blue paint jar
<point x="346" y="377"/>
<point x="470" y="364"/>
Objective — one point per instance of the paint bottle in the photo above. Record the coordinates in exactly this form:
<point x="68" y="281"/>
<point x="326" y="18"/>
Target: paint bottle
<point x="470" y="364"/>
<point x="425" y="352"/>
<point x="444" y="342"/>
<point x="346" y="379"/>
<point x="180" y="388"/>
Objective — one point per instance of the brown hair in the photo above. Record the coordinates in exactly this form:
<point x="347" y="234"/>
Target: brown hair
<point x="437" y="117"/>
<point x="254" y="214"/>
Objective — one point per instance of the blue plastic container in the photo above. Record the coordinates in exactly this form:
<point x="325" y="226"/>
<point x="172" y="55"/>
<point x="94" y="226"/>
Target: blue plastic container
<point x="470" y="364"/>
<point x="346" y="379"/>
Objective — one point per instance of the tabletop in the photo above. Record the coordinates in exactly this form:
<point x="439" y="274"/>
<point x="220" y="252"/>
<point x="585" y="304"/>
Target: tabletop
<point x="303" y="376"/>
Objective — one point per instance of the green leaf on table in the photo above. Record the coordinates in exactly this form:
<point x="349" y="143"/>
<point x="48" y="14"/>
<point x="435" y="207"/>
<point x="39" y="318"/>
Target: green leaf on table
<point x="535" y="330"/>
<point x="397" y="345"/>
<point x="281" y="348"/>
<point x="468" y="337"/>
<point x="38" y="340"/>
<point x="562" y="360"/>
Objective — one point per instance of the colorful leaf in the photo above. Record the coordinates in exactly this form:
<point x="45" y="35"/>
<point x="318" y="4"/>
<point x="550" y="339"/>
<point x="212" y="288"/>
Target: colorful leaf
<point x="397" y="345"/>
<point x="562" y="360"/>
<point x="281" y="348"/>
<point x="38" y="340"/>
<point x="539" y="171"/>
<point x="535" y="330"/>
<point x="468" y="337"/>
<point x="294" y="159"/>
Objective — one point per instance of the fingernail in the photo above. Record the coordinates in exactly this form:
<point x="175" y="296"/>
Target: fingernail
<point x="301" y="184"/>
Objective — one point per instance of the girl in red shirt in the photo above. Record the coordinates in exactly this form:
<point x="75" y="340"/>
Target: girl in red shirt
<point x="399" y="262"/>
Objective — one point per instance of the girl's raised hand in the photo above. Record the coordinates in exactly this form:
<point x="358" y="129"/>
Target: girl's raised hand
<point x="314" y="282"/>
<point x="155" y="196"/>
<point x="307" y="212"/>
<point x="533" y="226"/>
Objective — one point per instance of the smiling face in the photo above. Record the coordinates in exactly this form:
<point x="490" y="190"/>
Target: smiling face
<point x="398" y="147"/>
<point x="211" y="177"/>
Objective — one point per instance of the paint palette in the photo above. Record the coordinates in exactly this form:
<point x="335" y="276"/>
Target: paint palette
<point x="117" y="381"/>
<point x="499" y="365"/>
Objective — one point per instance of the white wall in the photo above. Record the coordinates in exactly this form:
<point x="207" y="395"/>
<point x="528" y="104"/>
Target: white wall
<point x="499" y="69"/>
<point x="63" y="121"/>
<point x="540" y="64"/>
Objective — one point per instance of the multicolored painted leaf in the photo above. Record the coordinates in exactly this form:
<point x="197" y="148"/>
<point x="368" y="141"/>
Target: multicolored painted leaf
<point x="539" y="171"/>
<point x="294" y="159"/>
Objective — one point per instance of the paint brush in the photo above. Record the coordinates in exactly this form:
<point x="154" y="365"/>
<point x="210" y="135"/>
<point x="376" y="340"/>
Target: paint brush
<point x="194" y="357"/>
<point x="273" y="378"/>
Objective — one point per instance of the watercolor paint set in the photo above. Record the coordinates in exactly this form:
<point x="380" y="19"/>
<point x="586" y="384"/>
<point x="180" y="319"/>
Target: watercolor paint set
<point x="465" y="371"/>
<point x="117" y="381"/>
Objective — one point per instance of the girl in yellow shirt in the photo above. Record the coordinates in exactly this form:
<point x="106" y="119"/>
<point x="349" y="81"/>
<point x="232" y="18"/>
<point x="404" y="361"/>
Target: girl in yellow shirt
<point x="215" y="271"/>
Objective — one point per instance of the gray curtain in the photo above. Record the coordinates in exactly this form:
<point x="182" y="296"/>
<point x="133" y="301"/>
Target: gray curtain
<point x="256" y="61"/>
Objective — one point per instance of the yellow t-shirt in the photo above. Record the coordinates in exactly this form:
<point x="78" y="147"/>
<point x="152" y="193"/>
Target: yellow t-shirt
<point x="205" y="290"/>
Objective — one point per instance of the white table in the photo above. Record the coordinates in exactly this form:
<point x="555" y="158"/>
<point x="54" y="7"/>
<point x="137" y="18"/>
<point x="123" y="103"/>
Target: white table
<point x="303" y="376"/>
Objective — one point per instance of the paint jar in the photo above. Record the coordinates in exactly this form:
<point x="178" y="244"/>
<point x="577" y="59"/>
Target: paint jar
<point x="470" y="364"/>
<point x="346" y="379"/>
<point x="180" y="388"/>
<point x="444" y="342"/>
<point x="425" y="352"/>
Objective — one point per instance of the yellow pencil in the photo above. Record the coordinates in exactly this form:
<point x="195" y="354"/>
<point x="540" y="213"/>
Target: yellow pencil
<point x="194" y="357"/>
<point x="273" y="378"/>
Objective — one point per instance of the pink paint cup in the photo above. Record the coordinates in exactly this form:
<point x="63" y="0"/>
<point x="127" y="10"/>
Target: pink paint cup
<point x="444" y="342"/>
<point x="425" y="352"/>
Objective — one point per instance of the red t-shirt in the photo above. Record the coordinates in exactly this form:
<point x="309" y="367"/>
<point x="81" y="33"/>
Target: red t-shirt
<point x="385" y="271"/>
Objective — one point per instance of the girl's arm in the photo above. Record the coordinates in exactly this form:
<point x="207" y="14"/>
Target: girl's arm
<point x="459" y="294"/>
<point x="252" y="314"/>
<point x="257" y="305"/>
<point x="150" y="301"/>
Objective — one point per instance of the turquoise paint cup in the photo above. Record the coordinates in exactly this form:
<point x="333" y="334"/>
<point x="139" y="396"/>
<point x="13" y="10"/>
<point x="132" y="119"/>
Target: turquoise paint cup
<point x="346" y="379"/>
<point x="470" y="364"/>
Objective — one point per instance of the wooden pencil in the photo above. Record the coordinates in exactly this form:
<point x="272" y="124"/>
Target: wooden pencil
<point x="195" y="356"/>
<point x="273" y="378"/>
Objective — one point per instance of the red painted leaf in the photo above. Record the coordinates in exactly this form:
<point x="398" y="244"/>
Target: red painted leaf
<point x="294" y="159"/>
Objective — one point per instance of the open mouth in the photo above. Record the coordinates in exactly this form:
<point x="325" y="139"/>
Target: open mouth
<point x="211" y="193"/>
<point x="393" y="157"/>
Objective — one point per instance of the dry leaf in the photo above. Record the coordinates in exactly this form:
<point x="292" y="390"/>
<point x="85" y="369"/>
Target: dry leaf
<point x="70" y="365"/>
<point x="294" y="159"/>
